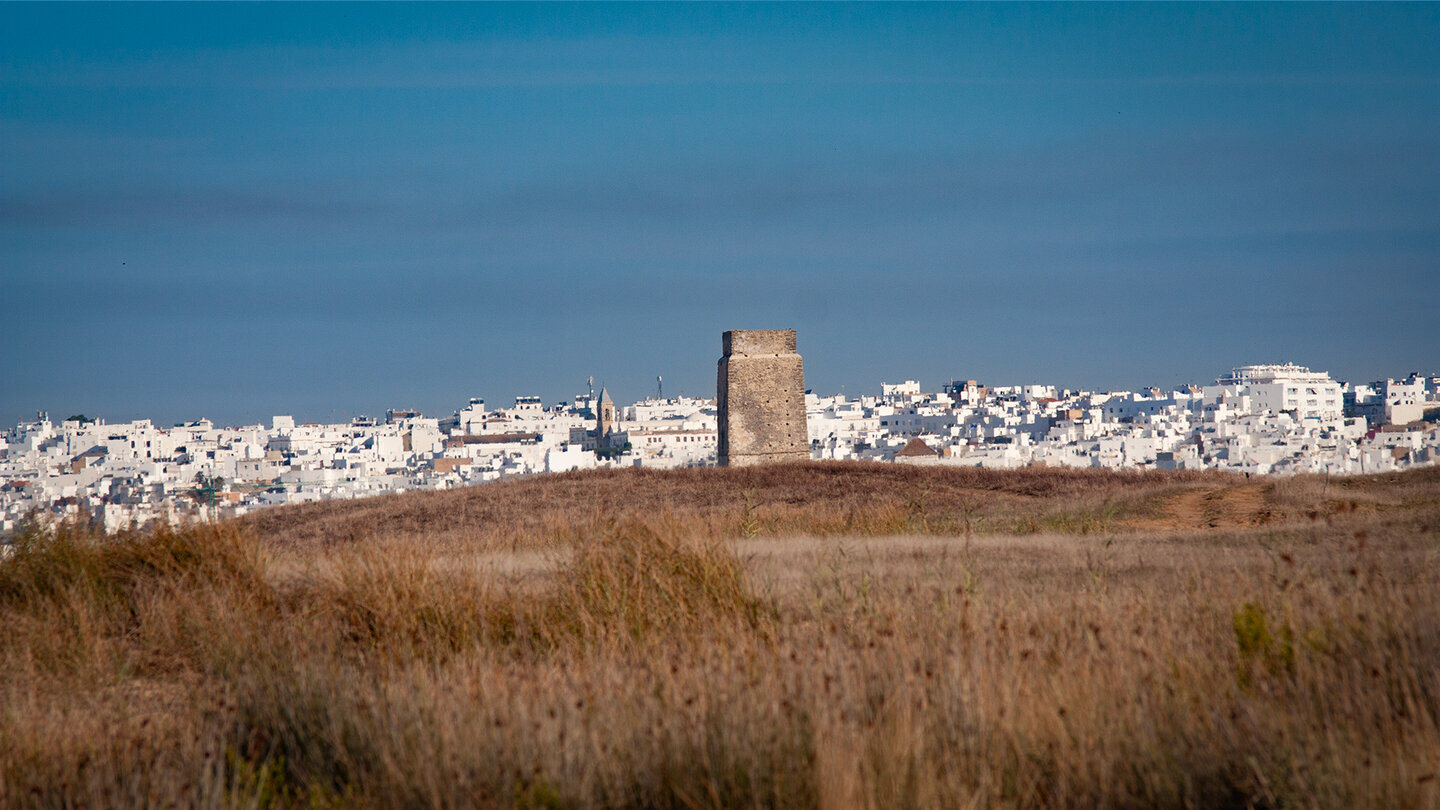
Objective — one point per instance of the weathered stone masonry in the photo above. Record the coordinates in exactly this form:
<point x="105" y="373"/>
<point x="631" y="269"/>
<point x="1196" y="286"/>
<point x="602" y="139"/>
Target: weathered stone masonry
<point x="761" y="391"/>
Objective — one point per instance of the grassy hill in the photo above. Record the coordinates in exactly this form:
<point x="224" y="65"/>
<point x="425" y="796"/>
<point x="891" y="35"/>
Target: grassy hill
<point x="838" y="498"/>
<point x="810" y="635"/>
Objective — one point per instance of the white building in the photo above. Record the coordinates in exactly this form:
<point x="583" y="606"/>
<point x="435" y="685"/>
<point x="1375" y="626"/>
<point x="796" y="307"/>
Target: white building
<point x="1284" y="388"/>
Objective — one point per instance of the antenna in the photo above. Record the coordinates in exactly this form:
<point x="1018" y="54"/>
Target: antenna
<point x="659" y="387"/>
<point x="590" y="381"/>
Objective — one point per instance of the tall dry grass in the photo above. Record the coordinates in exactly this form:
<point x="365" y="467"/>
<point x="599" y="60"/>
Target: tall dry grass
<point x="695" y="654"/>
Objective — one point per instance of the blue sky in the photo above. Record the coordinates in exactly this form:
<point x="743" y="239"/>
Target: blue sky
<point x="239" y="210"/>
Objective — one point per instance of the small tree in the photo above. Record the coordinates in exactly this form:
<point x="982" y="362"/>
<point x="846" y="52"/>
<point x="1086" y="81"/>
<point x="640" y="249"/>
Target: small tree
<point x="205" y="488"/>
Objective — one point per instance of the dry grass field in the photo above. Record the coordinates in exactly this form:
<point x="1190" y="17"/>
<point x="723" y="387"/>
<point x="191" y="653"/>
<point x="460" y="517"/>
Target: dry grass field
<point x="812" y="635"/>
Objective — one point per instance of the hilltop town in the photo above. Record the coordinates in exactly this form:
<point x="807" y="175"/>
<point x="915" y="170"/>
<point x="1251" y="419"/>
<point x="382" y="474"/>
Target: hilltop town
<point x="1256" y="420"/>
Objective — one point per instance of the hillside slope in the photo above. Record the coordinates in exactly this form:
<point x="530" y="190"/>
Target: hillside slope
<point x="834" y="498"/>
<point x="804" y="636"/>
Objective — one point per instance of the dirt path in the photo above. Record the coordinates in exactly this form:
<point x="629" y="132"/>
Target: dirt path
<point x="1211" y="508"/>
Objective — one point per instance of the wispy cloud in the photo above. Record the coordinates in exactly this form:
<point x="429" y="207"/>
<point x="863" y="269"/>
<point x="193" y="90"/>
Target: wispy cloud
<point x="107" y="207"/>
<point x="576" y="62"/>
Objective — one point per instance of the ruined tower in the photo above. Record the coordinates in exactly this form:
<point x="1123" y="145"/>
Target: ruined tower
<point x="761" y="390"/>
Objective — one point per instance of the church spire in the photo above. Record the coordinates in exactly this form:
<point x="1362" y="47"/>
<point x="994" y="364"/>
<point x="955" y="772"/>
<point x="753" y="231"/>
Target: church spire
<point x="604" y="416"/>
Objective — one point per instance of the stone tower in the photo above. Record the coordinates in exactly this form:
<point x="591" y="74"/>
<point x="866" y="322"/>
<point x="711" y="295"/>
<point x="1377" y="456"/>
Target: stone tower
<point x="761" y="391"/>
<point x="604" y="417"/>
